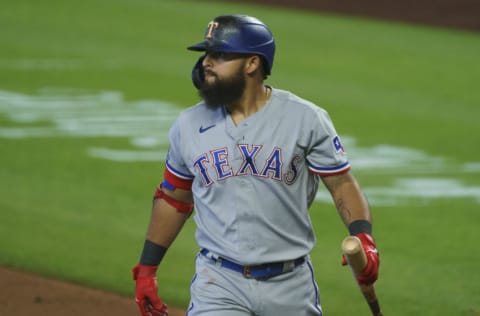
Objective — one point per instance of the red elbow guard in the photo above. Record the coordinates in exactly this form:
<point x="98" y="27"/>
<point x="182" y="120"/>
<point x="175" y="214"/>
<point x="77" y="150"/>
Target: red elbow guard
<point x="182" y="207"/>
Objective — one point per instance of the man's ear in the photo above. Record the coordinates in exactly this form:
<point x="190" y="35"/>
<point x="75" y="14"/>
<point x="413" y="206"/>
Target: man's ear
<point x="253" y="64"/>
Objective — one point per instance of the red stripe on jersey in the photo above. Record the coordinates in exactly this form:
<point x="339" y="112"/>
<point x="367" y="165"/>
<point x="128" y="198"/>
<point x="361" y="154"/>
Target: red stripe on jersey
<point x="179" y="183"/>
<point x="328" y="174"/>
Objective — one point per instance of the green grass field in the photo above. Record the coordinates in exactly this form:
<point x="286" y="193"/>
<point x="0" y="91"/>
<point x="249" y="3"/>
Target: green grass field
<point x="81" y="81"/>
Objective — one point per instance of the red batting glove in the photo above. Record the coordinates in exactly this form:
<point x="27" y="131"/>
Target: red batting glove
<point x="370" y="273"/>
<point x="146" y="291"/>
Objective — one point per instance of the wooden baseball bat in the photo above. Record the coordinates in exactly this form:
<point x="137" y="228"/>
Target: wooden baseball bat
<point x="357" y="260"/>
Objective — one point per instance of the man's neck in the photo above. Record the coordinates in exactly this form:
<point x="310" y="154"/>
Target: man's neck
<point x="250" y="103"/>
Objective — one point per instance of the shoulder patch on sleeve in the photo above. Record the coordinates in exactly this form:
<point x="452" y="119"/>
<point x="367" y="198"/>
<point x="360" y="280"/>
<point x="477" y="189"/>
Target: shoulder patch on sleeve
<point x="337" y="144"/>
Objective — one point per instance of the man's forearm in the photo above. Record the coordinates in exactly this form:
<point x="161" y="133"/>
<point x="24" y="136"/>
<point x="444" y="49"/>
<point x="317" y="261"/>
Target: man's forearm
<point x="349" y="199"/>
<point x="165" y="223"/>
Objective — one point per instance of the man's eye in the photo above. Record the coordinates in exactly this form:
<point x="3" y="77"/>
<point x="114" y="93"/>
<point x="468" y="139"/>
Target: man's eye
<point x="217" y="55"/>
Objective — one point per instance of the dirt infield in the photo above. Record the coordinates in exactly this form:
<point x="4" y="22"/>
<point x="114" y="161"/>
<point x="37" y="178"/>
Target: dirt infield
<point x="460" y="14"/>
<point x="23" y="294"/>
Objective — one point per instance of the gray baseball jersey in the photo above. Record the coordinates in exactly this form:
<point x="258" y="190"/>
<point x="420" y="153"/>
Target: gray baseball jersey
<point x="253" y="183"/>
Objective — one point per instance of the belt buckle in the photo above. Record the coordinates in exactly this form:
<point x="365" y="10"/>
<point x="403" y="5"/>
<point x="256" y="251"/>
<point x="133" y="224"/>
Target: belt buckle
<point x="246" y="272"/>
<point x="288" y="266"/>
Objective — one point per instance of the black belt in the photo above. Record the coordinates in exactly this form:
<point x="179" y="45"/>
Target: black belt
<point x="259" y="272"/>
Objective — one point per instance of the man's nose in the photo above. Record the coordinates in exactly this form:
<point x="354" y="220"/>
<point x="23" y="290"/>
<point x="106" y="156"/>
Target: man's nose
<point x="207" y="61"/>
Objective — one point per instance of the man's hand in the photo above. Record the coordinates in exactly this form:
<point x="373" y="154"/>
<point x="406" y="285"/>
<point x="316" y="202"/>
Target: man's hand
<point x="146" y="291"/>
<point x="370" y="273"/>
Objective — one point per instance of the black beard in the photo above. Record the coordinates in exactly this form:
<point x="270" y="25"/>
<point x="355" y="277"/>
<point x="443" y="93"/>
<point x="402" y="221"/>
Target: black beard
<point x="223" y="91"/>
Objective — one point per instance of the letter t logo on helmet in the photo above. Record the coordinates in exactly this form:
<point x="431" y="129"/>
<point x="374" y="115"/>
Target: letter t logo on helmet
<point x="211" y="26"/>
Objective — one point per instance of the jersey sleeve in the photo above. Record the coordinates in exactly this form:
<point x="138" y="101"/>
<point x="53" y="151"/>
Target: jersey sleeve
<point x="326" y="155"/>
<point x="176" y="171"/>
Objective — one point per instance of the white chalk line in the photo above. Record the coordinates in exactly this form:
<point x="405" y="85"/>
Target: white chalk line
<point x="77" y="113"/>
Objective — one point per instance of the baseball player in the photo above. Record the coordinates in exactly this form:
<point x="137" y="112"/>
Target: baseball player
<point x="250" y="158"/>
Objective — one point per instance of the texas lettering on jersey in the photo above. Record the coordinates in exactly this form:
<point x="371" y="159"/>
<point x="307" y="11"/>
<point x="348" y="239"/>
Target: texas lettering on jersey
<point x="219" y="160"/>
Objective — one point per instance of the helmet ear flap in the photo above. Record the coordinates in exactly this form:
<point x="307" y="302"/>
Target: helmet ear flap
<point x="198" y="77"/>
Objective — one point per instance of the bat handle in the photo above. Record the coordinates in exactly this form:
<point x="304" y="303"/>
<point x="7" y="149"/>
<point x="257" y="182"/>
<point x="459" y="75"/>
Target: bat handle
<point x="375" y="308"/>
<point x="368" y="292"/>
<point x="356" y="258"/>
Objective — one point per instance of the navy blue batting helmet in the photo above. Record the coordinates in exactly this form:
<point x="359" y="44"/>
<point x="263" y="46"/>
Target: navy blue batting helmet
<point x="236" y="34"/>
